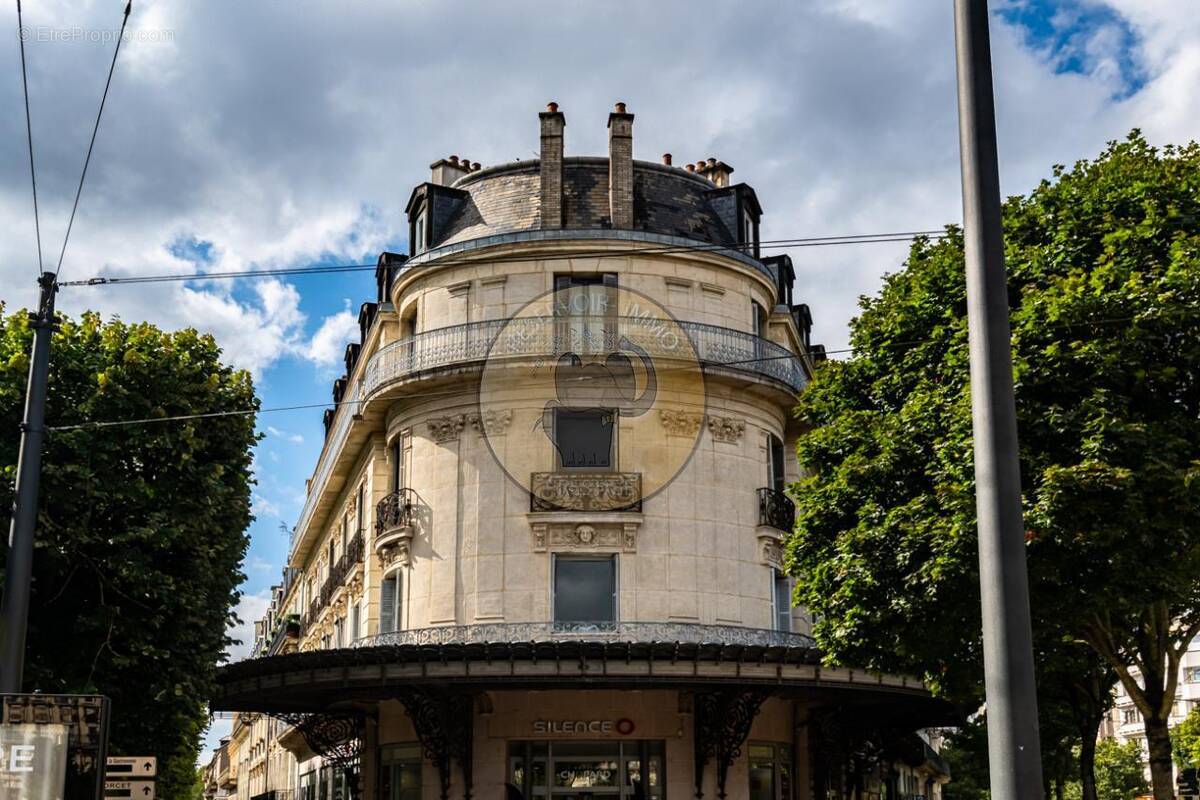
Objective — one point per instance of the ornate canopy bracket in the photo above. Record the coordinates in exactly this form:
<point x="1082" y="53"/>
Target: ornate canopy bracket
<point x="337" y="738"/>
<point x="723" y="721"/>
<point x="444" y="723"/>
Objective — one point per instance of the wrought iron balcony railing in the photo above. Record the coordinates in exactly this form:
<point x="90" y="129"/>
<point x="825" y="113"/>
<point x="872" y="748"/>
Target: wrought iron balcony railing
<point x="395" y="512"/>
<point x="337" y="577"/>
<point x="510" y="632"/>
<point x="585" y="491"/>
<point x="776" y="510"/>
<point x="286" y="627"/>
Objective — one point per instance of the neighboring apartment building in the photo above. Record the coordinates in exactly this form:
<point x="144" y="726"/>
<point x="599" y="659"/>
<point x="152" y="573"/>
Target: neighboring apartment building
<point x="541" y="552"/>
<point x="1124" y="722"/>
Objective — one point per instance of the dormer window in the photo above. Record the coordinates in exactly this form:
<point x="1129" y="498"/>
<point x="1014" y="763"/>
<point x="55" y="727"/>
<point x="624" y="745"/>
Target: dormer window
<point x="418" y="233"/>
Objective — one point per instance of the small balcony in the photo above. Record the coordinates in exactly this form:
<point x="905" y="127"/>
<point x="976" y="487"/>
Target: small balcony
<point x="395" y="520"/>
<point x="585" y="491"/>
<point x="337" y="577"/>
<point x="776" y="510"/>
<point x="287" y="629"/>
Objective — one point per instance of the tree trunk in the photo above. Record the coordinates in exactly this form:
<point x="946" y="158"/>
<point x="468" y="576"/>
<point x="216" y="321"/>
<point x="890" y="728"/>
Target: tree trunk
<point x="1162" y="775"/>
<point x="1087" y="765"/>
<point x="1058" y="787"/>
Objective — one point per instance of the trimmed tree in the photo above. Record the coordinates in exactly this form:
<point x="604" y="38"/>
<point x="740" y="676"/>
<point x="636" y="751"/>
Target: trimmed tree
<point x="1104" y="287"/>
<point x="141" y="528"/>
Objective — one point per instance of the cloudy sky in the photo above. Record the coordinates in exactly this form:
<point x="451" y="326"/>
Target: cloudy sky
<point x="281" y="132"/>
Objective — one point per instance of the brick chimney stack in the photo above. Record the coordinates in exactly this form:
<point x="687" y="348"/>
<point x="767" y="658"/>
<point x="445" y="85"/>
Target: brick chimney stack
<point x="552" y="122"/>
<point x="447" y="170"/>
<point x="620" y="167"/>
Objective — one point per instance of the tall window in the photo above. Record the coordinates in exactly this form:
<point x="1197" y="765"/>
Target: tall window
<point x="781" y="600"/>
<point x="586" y="306"/>
<point x="339" y="632"/>
<point x="391" y="601"/>
<point x="400" y="777"/>
<point x="355" y="622"/>
<point x="418" y="233"/>
<point x="585" y="591"/>
<point x="399" y="454"/>
<point x="586" y="438"/>
<point x="359" y="506"/>
<point x="770" y="772"/>
<point x="775" y="462"/>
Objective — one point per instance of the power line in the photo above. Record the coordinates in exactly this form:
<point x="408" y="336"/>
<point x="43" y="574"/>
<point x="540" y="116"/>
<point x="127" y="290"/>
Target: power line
<point x="773" y="244"/>
<point x="91" y="145"/>
<point x="37" y="224"/>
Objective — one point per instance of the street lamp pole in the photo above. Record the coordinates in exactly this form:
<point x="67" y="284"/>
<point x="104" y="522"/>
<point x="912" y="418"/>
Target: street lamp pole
<point x="1012" y="722"/>
<point x="18" y="570"/>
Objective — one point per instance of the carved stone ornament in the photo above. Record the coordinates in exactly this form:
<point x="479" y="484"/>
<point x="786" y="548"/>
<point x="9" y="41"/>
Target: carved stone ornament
<point x="587" y="491"/>
<point x="726" y="429"/>
<point x="771" y="551"/>
<point x="600" y="532"/>
<point x="492" y="422"/>
<point x="680" y="423"/>
<point x="447" y="429"/>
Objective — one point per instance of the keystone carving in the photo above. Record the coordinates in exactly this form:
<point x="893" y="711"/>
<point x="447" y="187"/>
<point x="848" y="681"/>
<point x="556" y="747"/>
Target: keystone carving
<point x="447" y="429"/>
<point x="602" y="535"/>
<point x="680" y="423"/>
<point x="726" y="429"/>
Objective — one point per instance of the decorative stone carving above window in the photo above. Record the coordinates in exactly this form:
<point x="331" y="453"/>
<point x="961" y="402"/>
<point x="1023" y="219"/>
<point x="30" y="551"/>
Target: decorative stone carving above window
<point x="680" y="423"/>
<point x="447" y="429"/>
<point x="726" y="429"/>
<point x="597" y="531"/>
<point x="491" y="422"/>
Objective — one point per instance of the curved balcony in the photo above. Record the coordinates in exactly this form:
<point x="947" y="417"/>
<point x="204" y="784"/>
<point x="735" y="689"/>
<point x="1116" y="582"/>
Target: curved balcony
<point x="776" y="510"/>
<point x="524" y="632"/>
<point x="472" y="342"/>
<point x="395" y="521"/>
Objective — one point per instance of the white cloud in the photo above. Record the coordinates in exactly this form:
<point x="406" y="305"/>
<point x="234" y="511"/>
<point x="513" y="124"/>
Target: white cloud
<point x="262" y="507"/>
<point x="328" y="344"/>
<point x="294" y="438"/>
<point x="250" y="609"/>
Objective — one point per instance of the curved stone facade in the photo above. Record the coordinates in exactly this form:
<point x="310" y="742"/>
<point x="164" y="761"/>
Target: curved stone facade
<point x="500" y="569"/>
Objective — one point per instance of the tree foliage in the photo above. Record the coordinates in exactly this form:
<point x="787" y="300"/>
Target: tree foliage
<point x="1119" y="772"/>
<point x="1186" y="738"/>
<point x="1104" y="292"/>
<point x="141" y="528"/>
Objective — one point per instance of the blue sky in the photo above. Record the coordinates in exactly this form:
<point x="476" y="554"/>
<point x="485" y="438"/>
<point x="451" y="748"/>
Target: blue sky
<point x="280" y="133"/>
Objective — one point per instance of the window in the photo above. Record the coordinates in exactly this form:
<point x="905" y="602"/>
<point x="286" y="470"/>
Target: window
<point x="339" y="631"/>
<point x="770" y="771"/>
<point x="400" y="777"/>
<point x="1129" y="715"/>
<point x="355" y="622"/>
<point x="360" y="506"/>
<point x="418" y="233"/>
<point x="1192" y="675"/>
<point x="585" y="438"/>
<point x="781" y="601"/>
<point x="400" y="447"/>
<point x="390" y="603"/>
<point x="585" y="592"/>
<point x="775" y="461"/>
<point x="586" y="307"/>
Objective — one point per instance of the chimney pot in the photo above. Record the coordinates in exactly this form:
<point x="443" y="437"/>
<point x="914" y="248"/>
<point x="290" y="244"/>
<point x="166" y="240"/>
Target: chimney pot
<point x="712" y="162"/>
<point x="453" y="159"/>
<point x="476" y="165"/>
<point x="464" y="160"/>
<point x="690" y="167"/>
<point x="552" y="107"/>
<point x="667" y="159"/>
<point x="620" y="108"/>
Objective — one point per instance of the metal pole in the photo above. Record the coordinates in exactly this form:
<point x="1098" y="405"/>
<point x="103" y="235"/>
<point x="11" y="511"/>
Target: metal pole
<point x="1013" y="746"/>
<point x="14" y="613"/>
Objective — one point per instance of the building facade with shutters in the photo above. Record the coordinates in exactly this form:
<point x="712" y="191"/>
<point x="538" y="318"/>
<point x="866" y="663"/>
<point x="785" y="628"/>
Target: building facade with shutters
<point x="540" y="554"/>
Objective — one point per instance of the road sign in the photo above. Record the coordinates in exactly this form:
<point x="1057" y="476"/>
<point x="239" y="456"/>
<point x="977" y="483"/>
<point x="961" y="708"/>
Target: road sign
<point x="131" y="767"/>
<point x="135" y="790"/>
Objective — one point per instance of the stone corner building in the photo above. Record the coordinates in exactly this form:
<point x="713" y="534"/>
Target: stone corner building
<point x="467" y="615"/>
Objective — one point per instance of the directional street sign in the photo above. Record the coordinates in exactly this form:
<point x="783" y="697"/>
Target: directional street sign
<point x="132" y="767"/>
<point x="136" y="790"/>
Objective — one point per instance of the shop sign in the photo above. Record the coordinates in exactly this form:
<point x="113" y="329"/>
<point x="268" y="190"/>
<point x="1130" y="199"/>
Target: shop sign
<point x="583" y="727"/>
<point x="33" y="761"/>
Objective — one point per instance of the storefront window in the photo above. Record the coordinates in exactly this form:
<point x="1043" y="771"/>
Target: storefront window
<point x="617" y="770"/>
<point x="400" y="775"/>
<point x="770" y="772"/>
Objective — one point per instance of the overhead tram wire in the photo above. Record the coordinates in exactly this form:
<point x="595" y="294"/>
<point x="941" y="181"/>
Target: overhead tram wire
<point x="772" y="244"/>
<point x="92" y="144"/>
<point x="37" y="224"/>
<point x="426" y="395"/>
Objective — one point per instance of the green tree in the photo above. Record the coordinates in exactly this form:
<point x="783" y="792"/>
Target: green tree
<point x="966" y="753"/>
<point x="1119" y="772"/>
<point x="141" y="528"/>
<point x="1186" y="738"/>
<point x="1104" y="287"/>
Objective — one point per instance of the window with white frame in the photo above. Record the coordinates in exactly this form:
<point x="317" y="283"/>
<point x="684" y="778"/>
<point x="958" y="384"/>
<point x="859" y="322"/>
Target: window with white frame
<point x="781" y="601"/>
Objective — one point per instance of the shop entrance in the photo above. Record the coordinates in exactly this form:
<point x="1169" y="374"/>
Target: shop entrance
<point x="599" y="770"/>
